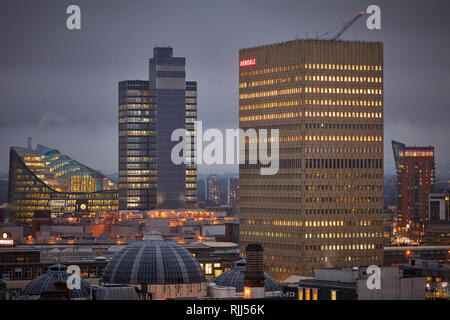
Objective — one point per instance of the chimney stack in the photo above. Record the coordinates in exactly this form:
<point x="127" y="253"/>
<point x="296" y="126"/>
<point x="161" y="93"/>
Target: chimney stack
<point x="254" y="272"/>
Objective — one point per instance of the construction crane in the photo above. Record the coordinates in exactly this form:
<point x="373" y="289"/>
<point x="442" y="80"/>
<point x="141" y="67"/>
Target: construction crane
<point x="343" y="29"/>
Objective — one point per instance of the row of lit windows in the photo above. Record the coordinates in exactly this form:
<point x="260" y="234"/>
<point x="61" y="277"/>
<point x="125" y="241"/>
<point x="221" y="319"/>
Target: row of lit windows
<point x="344" y="138"/>
<point x="341" y="114"/>
<point x="32" y="158"/>
<point x="273" y="104"/>
<point x="133" y="106"/>
<point x="134" y="113"/>
<point x="137" y="133"/>
<point x="136" y="172"/>
<point x="271" y="116"/>
<point x="136" y="179"/>
<point x="316" y="138"/>
<point x="343" y="199"/>
<point x="138" y="100"/>
<point x="345" y="187"/>
<point x="35" y="164"/>
<point x="270" y="93"/>
<point x="270" y="70"/>
<point x="136" y="185"/>
<point x="355" y="103"/>
<point x="269" y="82"/>
<point x="329" y="114"/>
<point x="342" y="90"/>
<point x="330" y="235"/>
<point x="64" y="172"/>
<point x="134" y="120"/>
<point x="319" y="223"/>
<point x="319" y="66"/>
<point x="291" y="103"/>
<point x="343" y="78"/>
<point x="332" y="66"/>
<point x="326" y="78"/>
<point x="343" y="150"/>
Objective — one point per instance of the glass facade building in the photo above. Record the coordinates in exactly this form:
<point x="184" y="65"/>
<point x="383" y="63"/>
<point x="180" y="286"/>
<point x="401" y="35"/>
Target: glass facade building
<point x="45" y="179"/>
<point x="137" y="146"/>
<point x="149" y="111"/>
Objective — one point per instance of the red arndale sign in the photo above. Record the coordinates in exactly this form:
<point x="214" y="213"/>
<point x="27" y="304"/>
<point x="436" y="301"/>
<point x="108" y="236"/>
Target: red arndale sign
<point x="247" y="62"/>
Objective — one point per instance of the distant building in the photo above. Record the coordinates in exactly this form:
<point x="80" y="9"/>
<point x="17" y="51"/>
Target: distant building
<point x="388" y="226"/>
<point x="437" y="232"/>
<point x="213" y="189"/>
<point x="45" y="179"/>
<point x="400" y="255"/>
<point x="233" y="194"/>
<point x="437" y="274"/>
<point x="351" y="284"/>
<point x="415" y="174"/>
<point x="201" y="190"/>
<point x="40" y="217"/>
<point x="439" y="206"/>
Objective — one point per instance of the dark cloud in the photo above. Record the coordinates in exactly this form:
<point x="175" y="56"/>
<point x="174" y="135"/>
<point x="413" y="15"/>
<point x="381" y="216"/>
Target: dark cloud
<point x="62" y="85"/>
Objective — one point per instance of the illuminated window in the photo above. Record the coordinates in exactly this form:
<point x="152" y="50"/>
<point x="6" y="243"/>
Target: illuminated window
<point x="300" y="293"/>
<point x="333" y="295"/>
<point x="315" y="294"/>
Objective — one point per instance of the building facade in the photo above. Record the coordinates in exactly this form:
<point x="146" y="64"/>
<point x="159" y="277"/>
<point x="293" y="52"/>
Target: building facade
<point x="149" y="111"/>
<point x="233" y="194"/>
<point x="137" y="146"/>
<point x="324" y="206"/>
<point x="45" y="179"/>
<point x="439" y="206"/>
<point x="213" y="191"/>
<point x="415" y="181"/>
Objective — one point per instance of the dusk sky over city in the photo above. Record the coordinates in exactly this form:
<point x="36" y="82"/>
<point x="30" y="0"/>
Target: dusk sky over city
<point x="60" y="87"/>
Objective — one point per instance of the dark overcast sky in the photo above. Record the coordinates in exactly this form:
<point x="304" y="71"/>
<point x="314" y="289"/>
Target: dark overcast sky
<point x="61" y="86"/>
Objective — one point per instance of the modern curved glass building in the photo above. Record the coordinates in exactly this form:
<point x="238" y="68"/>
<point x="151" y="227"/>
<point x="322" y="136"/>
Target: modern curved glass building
<point x="45" y="179"/>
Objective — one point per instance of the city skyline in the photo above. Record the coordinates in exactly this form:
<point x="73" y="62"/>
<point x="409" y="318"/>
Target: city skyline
<point x="60" y="63"/>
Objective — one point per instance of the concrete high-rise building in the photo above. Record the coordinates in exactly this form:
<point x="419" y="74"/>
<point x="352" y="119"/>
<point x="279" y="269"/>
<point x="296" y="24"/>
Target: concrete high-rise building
<point x="324" y="206"/>
<point x="415" y="174"/>
<point x="149" y="111"/>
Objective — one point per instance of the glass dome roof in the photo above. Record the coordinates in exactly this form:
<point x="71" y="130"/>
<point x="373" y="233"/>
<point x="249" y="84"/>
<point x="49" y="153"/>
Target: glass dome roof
<point x="153" y="261"/>
<point x="235" y="278"/>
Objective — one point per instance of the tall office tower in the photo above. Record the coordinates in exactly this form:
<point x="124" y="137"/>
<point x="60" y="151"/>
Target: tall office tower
<point x="324" y="206"/>
<point x="167" y="82"/>
<point x="149" y="111"/>
<point x="213" y="189"/>
<point x="415" y="174"/>
<point x="137" y="146"/>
